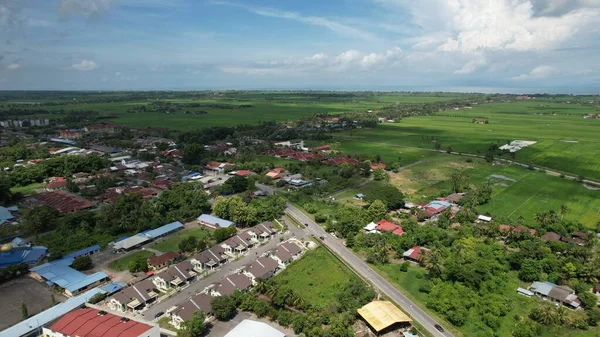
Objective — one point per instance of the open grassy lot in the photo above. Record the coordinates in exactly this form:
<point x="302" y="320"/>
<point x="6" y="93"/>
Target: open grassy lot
<point x="565" y="140"/>
<point x="388" y="153"/>
<point x="516" y="190"/>
<point x="408" y="282"/>
<point x="123" y="263"/>
<point x="25" y="190"/>
<point x="171" y="242"/>
<point x="316" y="277"/>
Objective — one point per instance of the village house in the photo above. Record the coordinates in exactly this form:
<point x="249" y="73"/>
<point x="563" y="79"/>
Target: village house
<point x="416" y="254"/>
<point x="186" y="311"/>
<point x="551" y="237"/>
<point x="559" y="294"/>
<point x="262" y="231"/>
<point x="209" y="259"/>
<point x="390" y="227"/>
<point x="518" y="229"/>
<point x="276" y="173"/>
<point x="158" y="262"/>
<point x="322" y="148"/>
<point x="263" y="268"/>
<point x="175" y="276"/>
<point x="135" y="297"/>
<point x="230" y="284"/>
<point x="376" y="166"/>
<point x="56" y="184"/>
<point x="237" y="244"/>
<point x="285" y="253"/>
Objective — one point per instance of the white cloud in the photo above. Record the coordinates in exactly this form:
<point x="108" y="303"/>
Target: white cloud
<point x="84" y="65"/>
<point x="537" y="73"/>
<point x="340" y="28"/>
<point x="13" y="66"/>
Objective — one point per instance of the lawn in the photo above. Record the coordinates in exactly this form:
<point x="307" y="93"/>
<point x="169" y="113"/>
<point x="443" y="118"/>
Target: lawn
<point x="565" y="140"/>
<point x="317" y="277"/>
<point x="123" y="263"/>
<point x="171" y="242"/>
<point x="516" y="191"/>
<point x="29" y="189"/>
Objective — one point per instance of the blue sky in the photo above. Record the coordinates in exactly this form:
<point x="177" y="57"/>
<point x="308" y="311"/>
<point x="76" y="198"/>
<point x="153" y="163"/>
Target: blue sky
<point x="463" y="45"/>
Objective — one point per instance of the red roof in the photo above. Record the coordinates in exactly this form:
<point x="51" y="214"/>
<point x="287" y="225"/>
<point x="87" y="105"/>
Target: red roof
<point x="56" y="183"/>
<point x="322" y="148"/>
<point x="387" y="226"/>
<point x="159" y="260"/>
<point x="88" y="322"/>
<point x="340" y="160"/>
<point x="375" y="166"/>
<point x="212" y="165"/>
<point x="62" y="202"/>
<point x="243" y="173"/>
<point x="112" y="194"/>
<point x="415" y="252"/>
<point x="518" y="229"/>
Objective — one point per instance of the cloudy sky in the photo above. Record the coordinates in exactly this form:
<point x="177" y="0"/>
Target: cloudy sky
<point x="474" y="45"/>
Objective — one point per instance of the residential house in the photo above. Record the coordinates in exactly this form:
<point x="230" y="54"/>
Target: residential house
<point x="243" y="173"/>
<point x="375" y="166"/>
<point x="286" y="253"/>
<point x="518" y="229"/>
<point x="322" y="148"/>
<point x="579" y="235"/>
<point x="230" y="284"/>
<point x="263" y="268"/>
<point x="416" y="254"/>
<point x="186" y="311"/>
<point x="276" y="173"/>
<point x="55" y="184"/>
<point x="209" y="259"/>
<point x="551" y="237"/>
<point x="157" y="262"/>
<point x="175" y="276"/>
<point x="390" y="227"/>
<point x="237" y="244"/>
<point x="70" y="134"/>
<point x="7" y="214"/>
<point x="262" y="231"/>
<point x="135" y="297"/>
<point x="555" y="293"/>
<point x="455" y="197"/>
<point x="371" y="228"/>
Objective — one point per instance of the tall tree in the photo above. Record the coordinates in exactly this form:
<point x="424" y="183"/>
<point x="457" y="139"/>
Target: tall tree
<point x="194" y="327"/>
<point x="433" y="262"/>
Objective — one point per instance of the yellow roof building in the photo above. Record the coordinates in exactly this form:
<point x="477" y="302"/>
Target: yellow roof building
<point x="382" y="314"/>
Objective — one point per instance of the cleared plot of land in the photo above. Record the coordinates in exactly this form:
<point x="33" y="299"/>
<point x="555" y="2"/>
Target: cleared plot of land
<point x="549" y="124"/>
<point x="171" y="243"/>
<point x="516" y="190"/>
<point x="36" y="296"/>
<point x="409" y="282"/>
<point x="388" y="152"/>
<point x="123" y="263"/>
<point x="27" y="189"/>
<point x="317" y="277"/>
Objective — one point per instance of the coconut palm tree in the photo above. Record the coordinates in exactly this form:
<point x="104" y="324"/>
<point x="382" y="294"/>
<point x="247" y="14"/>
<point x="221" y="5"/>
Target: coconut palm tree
<point x="546" y="315"/>
<point x="433" y="263"/>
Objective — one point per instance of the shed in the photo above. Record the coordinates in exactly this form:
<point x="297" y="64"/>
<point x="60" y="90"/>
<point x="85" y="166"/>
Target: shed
<point x="380" y="315"/>
<point x="214" y="222"/>
<point x="132" y="241"/>
<point x="525" y="292"/>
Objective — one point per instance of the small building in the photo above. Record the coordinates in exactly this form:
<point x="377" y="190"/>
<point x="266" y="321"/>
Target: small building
<point x="416" y="254"/>
<point x="359" y="196"/>
<point x="376" y="166"/>
<point x="70" y="133"/>
<point x="20" y="251"/>
<point x="525" y="292"/>
<point x="322" y="148"/>
<point x="244" y="173"/>
<point x="262" y="268"/>
<point x="551" y="237"/>
<point x="55" y="184"/>
<point x="73" y="282"/>
<point x="579" y="235"/>
<point x="384" y="316"/>
<point x="286" y="252"/>
<point x="551" y="291"/>
<point x="371" y="228"/>
<point x="484" y="218"/>
<point x="61" y="201"/>
<point x="175" y="276"/>
<point x="214" y="222"/>
<point x="276" y="173"/>
<point x="455" y="197"/>
<point x="390" y="227"/>
<point x="7" y="214"/>
<point x="250" y="328"/>
<point x="157" y="262"/>
<point x="230" y="284"/>
<point x="100" y="128"/>
<point x="89" y="322"/>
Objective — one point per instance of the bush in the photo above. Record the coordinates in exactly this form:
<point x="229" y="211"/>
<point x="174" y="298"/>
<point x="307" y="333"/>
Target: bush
<point x="404" y="267"/>
<point x="311" y="208"/>
<point x="223" y="307"/>
<point x="320" y="218"/>
<point x="425" y="287"/>
<point x="562" y="175"/>
<point x="97" y="298"/>
<point x="531" y="167"/>
<point x="469" y="160"/>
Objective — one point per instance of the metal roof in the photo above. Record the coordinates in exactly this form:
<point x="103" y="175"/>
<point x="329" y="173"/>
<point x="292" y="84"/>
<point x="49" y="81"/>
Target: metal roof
<point x="250" y="328"/>
<point x="33" y="322"/>
<point x="542" y="287"/>
<point x="160" y="231"/>
<point x="382" y="314"/>
<point x="213" y="220"/>
<point x="84" y="251"/>
<point x="114" y="287"/>
<point x="131" y="241"/>
<point x="60" y="273"/>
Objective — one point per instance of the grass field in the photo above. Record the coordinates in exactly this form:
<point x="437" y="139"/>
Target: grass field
<point x="123" y="263"/>
<point x="408" y="283"/>
<point x="316" y="277"/>
<point x="516" y="191"/>
<point x="171" y="242"/>
<point x="565" y="140"/>
<point x="25" y="190"/>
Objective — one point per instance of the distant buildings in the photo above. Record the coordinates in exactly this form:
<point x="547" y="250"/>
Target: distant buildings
<point x="24" y="123"/>
<point x="100" y="128"/>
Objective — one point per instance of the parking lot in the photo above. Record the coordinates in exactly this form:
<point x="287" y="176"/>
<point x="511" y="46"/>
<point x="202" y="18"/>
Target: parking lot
<point x="220" y="329"/>
<point x="36" y="295"/>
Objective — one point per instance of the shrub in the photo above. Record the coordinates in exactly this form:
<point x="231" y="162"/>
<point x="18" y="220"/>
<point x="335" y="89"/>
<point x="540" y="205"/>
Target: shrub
<point x="320" y="218"/>
<point x="404" y="267"/>
<point x="562" y="175"/>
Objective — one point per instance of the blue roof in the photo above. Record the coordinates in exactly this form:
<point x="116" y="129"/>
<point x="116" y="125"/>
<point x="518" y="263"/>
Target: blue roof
<point x="5" y="214"/>
<point x="88" y="280"/>
<point x="121" y="238"/>
<point x="44" y="317"/>
<point x="160" y="231"/>
<point x="213" y="220"/>
<point x="22" y="255"/>
<point x="438" y="203"/>
<point x="114" y="287"/>
<point x="18" y="242"/>
<point x="60" y="273"/>
<point x="187" y="177"/>
<point x="84" y="251"/>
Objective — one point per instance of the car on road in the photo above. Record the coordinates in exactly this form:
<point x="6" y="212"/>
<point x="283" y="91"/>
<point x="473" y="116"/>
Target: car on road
<point x="322" y="237"/>
<point x="305" y="225"/>
<point x="439" y="327"/>
<point x="159" y="314"/>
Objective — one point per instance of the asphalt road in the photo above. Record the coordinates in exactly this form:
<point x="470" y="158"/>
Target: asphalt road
<point x="366" y="272"/>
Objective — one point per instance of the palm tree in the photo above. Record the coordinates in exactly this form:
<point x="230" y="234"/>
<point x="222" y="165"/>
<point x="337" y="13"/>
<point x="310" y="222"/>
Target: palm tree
<point x="546" y="315"/>
<point x="261" y="287"/>
<point x="561" y="314"/>
<point x="433" y="263"/>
